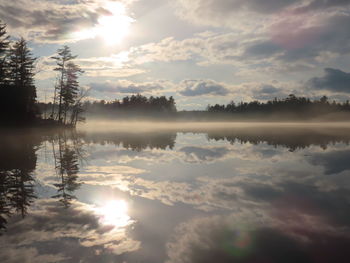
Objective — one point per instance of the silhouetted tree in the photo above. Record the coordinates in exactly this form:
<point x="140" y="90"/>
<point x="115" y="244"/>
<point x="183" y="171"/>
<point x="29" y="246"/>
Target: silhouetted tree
<point x="136" y="103"/>
<point x="21" y="79"/>
<point x="63" y="59"/>
<point x="301" y="107"/>
<point x="17" y="88"/>
<point x="70" y="89"/>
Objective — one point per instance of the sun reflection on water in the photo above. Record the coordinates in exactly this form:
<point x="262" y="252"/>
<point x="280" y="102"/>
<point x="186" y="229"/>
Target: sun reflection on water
<point x="114" y="213"/>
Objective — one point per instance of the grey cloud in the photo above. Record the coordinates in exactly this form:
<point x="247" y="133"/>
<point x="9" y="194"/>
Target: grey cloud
<point x="293" y="37"/>
<point x="203" y="87"/>
<point x="49" y="22"/>
<point x="333" y="162"/>
<point x="268" y="6"/>
<point x="333" y="80"/>
<point x="217" y="8"/>
<point x="308" y="43"/>
<point x="127" y="87"/>
<point x="262" y="48"/>
<point x="294" y="48"/>
<point x="268" y="91"/>
<point x="215" y="12"/>
<point x="204" y="154"/>
<point x="323" y="4"/>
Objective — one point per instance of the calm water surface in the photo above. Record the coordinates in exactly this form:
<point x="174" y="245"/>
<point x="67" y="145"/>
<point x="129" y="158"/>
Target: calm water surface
<point x="256" y="194"/>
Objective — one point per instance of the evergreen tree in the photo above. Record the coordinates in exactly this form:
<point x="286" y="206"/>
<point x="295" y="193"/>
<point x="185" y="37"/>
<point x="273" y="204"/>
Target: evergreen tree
<point x="63" y="59"/>
<point x="70" y="89"/>
<point x="21" y="80"/>
<point x="67" y="92"/>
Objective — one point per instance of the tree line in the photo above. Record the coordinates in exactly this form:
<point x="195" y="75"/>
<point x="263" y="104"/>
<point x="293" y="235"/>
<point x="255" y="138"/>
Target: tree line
<point x="291" y="104"/>
<point x="138" y="103"/>
<point x="18" y="96"/>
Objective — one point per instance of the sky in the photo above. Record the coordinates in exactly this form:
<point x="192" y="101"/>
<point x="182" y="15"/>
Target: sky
<point x="200" y="51"/>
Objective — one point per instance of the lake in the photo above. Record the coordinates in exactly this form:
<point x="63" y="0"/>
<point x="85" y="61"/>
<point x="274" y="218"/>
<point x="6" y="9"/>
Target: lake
<point x="176" y="193"/>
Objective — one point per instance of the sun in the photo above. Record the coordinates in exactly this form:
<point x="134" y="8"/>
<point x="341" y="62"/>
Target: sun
<point x="113" y="27"/>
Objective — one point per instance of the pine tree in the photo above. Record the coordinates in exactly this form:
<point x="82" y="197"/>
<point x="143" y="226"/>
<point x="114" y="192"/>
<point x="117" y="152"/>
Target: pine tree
<point x="21" y="79"/>
<point x="63" y="58"/>
<point x="70" y="89"/>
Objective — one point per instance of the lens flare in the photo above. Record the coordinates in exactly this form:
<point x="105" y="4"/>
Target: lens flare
<point x="239" y="242"/>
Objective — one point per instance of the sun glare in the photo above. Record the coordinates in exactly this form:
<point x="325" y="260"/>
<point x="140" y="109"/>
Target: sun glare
<point x="113" y="28"/>
<point x="114" y="213"/>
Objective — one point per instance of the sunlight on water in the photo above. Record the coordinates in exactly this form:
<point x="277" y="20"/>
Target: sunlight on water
<point x="114" y="213"/>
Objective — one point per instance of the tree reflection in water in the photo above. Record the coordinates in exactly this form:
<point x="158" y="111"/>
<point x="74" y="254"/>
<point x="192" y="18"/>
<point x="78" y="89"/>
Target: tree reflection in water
<point x="67" y="151"/>
<point x="17" y="163"/>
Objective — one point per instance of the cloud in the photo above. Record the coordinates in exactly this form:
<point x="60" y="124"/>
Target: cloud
<point x="333" y="162"/>
<point x="270" y="91"/>
<point x="250" y="237"/>
<point x="316" y="4"/>
<point x="52" y="21"/>
<point x="125" y="86"/>
<point x="333" y="80"/>
<point x="226" y="12"/>
<point x="75" y="233"/>
<point x="262" y="48"/>
<point x="201" y="154"/>
<point x="290" y="42"/>
<point x="114" y="66"/>
<point x="237" y="13"/>
<point x="203" y="87"/>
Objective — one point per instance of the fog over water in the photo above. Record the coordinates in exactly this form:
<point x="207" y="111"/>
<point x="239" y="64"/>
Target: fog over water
<point x="176" y="192"/>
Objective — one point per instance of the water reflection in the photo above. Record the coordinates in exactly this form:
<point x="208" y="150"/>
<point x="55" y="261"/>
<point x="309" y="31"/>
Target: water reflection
<point x="291" y="137"/>
<point x="66" y="152"/>
<point x="114" y="213"/>
<point x="229" y="195"/>
<point x="17" y="163"/>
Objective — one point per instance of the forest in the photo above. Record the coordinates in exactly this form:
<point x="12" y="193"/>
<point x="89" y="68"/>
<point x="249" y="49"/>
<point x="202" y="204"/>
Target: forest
<point x="291" y="108"/>
<point x="292" y="103"/>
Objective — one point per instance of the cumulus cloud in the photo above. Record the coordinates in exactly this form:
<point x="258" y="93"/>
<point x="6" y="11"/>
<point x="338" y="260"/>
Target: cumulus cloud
<point x="203" y="87"/>
<point x="284" y="45"/>
<point x="333" y="80"/>
<point x="284" y="39"/>
<point x="270" y="91"/>
<point x="125" y="86"/>
<point x="199" y="154"/>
